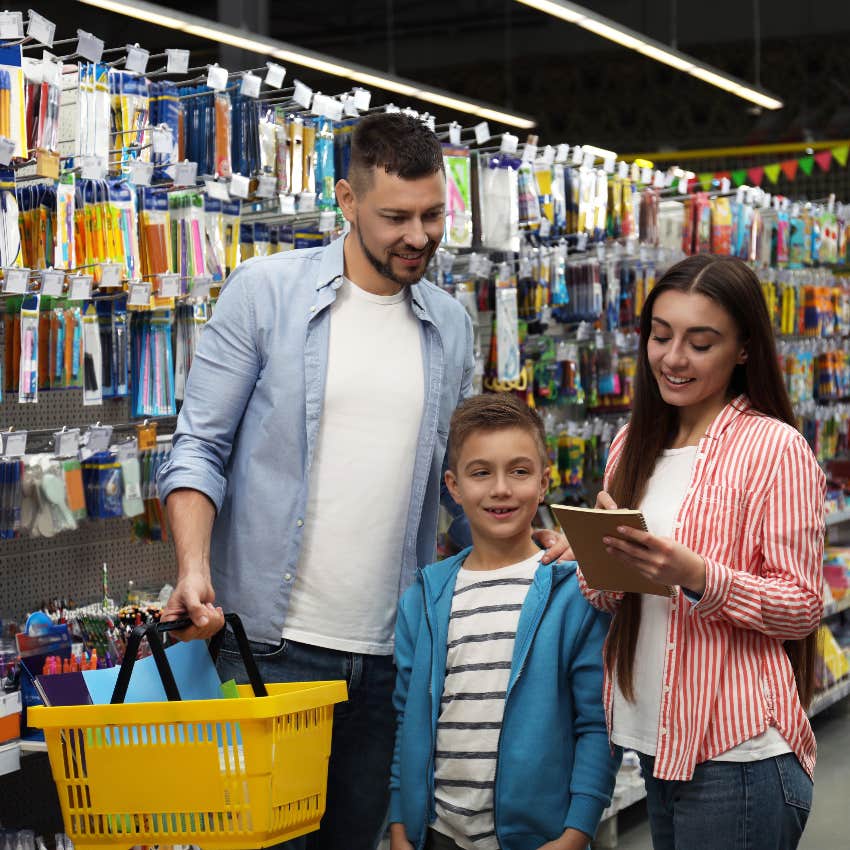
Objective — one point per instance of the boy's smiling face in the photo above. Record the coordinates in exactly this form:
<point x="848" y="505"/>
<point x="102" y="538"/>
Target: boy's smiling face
<point x="499" y="480"/>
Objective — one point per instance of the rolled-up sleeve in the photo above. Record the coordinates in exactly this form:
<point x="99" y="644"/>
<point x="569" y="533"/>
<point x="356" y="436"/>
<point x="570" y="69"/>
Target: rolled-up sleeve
<point x="224" y="373"/>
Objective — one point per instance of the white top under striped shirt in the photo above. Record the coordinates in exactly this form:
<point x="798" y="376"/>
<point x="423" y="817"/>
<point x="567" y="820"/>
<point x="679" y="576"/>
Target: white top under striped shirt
<point x="754" y="511"/>
<point x="635" y="724"/>
<point x="485" y="613"/>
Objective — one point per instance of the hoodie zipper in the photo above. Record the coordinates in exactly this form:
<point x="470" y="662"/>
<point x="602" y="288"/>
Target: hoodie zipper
<point x="532" y="634"/>
<point x="429" y="769"/>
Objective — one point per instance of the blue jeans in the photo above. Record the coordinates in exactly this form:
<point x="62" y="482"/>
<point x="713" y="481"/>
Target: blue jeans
<point x="363" y="735"/>
<point x="758" y="805"/>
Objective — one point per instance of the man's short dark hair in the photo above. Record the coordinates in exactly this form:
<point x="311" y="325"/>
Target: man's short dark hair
<point x="397" y="143"/>
<point x="494" y="412"/>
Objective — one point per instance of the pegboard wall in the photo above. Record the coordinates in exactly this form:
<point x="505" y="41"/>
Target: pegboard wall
<point x="70" y="564"/>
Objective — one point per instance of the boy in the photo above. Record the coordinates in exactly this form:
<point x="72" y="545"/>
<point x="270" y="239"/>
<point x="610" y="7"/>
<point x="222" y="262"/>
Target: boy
<point x="501" y="738"/>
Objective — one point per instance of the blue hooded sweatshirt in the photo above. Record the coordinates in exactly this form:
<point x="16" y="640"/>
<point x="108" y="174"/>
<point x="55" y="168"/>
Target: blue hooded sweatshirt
<point x="555" y="767"/>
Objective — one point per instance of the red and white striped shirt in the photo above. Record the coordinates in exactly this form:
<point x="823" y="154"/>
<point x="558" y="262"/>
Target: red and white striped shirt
<point x="754" y="511"/>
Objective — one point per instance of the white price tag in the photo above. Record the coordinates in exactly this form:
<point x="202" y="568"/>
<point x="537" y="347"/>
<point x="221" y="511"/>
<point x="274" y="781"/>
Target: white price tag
<point x="545" y="227"/>
<point x="169" y="285"/>
<point x="137" y="59"/>
<point x="127" y="451"/>
<point x="646" y="175"/>
<point x="217" y="77"/>
<point x="327" y="221"/>
<point x="287" y="203"/>
<point x="7" y="150"/>
<point x="162" y="141"/>
<point x="391" y="109"/>
<point x="141" y="173"/>
<point x="683" y="184"/>
<point x="66" y="443"/>
<point x="16" y="281"/>
<point x="111" y="275"/>
<point x="317" y="105"/>
<point x="52" y="283"/>
<point x="482" y="133"/>
<point x="267" y="186"/>
<point x="562" y="154"/>
<point x="348" y="107"/>
<point x="89" y="46"/>
<point x="334" y="109"/>
<point x="79" y="287"/>
<point x="11" y="24"/>
<point x="140" y="294"/>
<point x="40" y="29"/>
<point x="578" y="155"/>
<point x="275" y="75"/>
<point x="201" y="286"/>
<point x="529" y="152"/>
<point x="216" y="190"/>
<point x="185" y="173"/>
<point x="51" y="72"/>
<point x="250" y="86"/>
<point x="99" y="438"/>
<point x="303" y="95"/>
<point x="622" y="170"/>
<point x="178" y="61"/>
<point x="362" y="99"/>
<point x="725" y="185"/>
<point x="93" y="168"/>
<point x="430" y="122"/>
<point x="509" y="143"/>
<point x="306" y="202"/>
<point x="454" y="133"/>
<point x="588" y="159"/>
<point x="610" y="164"/>
<point x="240" y="186"/>
<point x="548" y="156"/>
<point x="14" y="443"/>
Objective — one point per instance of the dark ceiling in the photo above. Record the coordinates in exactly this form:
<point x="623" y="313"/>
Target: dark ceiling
<point x="578" y="86"/>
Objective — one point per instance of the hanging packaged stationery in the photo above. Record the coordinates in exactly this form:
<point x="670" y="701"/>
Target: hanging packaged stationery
<point x="528" y="197"/>
<point x="188" y="323"/>
<point x="671" y="219"/>
<point x="284" y="151"/>
<point x="600" y="206"/>
<point x="246" y="240"/>
<point x="296" y="154"/>
<point x="152" y="369"/>
<point x="13" y="124"/>
<point x="458" y="233"/>
<point x="92" y="358"/>
<point x="721" y="227"/>
<point x="103" y="487"/>
<point x="781" y="233"/>
<point x="186" y="213"/>
<point x="154" y="233"/>
<point x="10" y="234"/>
<point x="268" y="143"/>
<point x="629" y="226"/>
<point x="245" y="143"/>
<point x="742" y="228"/>
<point x="796" y="242"/>
<point x="586" y="200"/>
<point x="123" y="220"/>
<point x="214" y="238"/>
<point x="127" y="455"/>
<point x="507" y="327"/>
<point x="165" y="109"/>
<point x="702" y="223"/>
<point x="308" y="153"/>
<point x="755" y="233"/>
<point x="231" y="218"/>
<point x="130" y="102"/>
<point x="325" y="172"/>
<point x="615" y="207"/>
<point x="688" y="227"/>
<point x="499" y="204"/>
<point x="29" y="350"/>
<point x="559" y="200"/>
<point x="648" y="222"/>
<point x="223" y="134"/>
<point x="65" y="239"/>
<point x="94" y="111"/>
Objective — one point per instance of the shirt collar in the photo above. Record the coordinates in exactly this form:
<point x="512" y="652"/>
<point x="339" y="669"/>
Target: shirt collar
<point x="332" y="267"/>
<point x="728" y="415"/>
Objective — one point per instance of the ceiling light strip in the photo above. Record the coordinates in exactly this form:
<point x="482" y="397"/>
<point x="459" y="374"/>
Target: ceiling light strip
<point x="606" y="28"/>
<point x="263" y="45"/>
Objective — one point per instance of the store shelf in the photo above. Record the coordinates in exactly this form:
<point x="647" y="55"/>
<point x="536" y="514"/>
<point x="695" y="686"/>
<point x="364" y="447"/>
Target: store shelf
<point x="837" y="517"/>
<point x="829" y="697"/>
<point x="836" y="607"/>
<point x="10" y="757"/>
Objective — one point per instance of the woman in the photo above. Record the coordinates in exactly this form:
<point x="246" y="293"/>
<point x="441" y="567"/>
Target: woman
<point x="710" y="686"/>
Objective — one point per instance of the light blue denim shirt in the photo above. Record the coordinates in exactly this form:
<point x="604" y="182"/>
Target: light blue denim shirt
<point x="248" y="427"/>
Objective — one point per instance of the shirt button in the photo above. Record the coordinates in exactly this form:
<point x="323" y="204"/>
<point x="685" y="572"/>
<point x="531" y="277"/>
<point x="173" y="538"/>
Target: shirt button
<point x="671" y="646"/>
<point x="287" y="576"/>
<point x="664" y="731"/>
<point x="299" y="522"/>
<point x="667" y="689"/>
<point x="313" y="308"/>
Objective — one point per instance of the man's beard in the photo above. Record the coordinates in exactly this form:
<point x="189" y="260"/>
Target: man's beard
<point x="385" y="269"/>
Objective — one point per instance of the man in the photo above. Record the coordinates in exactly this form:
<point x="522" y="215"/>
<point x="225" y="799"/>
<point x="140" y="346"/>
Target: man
<point x="305" y="477"/>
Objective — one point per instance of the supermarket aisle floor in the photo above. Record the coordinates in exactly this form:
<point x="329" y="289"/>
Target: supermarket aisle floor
<point x="829" y="824"/>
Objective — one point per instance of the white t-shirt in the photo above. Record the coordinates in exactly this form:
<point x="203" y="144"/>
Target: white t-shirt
<point x="635" y="725"/>
<point x="482" y="630"/>
<point x="345" y="594"/>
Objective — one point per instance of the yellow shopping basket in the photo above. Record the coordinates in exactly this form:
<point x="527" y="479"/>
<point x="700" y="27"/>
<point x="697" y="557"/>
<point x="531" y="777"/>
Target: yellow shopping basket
<point x="225" y="773"/>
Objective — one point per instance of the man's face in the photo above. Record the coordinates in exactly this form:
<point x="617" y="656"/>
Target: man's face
<point x="399" y="223"/>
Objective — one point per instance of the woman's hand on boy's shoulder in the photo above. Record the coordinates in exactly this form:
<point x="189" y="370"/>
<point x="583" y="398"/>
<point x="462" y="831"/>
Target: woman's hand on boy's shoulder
<point x="398" y="837"/>
<point x="556" y="545"/>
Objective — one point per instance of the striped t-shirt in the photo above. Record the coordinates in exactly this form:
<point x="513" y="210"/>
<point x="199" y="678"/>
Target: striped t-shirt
<point x="485" y="612"/>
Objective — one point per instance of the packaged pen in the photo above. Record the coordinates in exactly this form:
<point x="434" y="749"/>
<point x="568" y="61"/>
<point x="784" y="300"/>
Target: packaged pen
<point x="325" y="178"/>
<point x="223" y="135"/>
<point x="28" y="366"/>
<point x="92" y="358"/>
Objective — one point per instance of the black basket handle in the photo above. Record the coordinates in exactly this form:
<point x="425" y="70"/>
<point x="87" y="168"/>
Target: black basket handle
<point x="151" y="632"/>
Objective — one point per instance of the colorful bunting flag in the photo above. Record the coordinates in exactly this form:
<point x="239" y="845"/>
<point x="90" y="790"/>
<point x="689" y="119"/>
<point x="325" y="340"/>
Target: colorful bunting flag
<point x="789" y="168"/>
<point x="772" y="172"/>
<point x="705" y="180"/>
<point x="738" y="177"/>
<point x="807" y="164"/>
<point x="756" y="174"/>
<point x="840" y="154"/>
<point x="823" y="159"/>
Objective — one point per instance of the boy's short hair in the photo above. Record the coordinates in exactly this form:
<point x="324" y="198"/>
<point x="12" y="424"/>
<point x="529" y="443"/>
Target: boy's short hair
<point x="397" y="143"/>
<point x="493" y="412"/>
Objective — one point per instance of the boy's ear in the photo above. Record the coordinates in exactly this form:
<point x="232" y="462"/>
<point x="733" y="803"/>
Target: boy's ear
<point x="544" y="483"/>
<point x="451" y="483"/>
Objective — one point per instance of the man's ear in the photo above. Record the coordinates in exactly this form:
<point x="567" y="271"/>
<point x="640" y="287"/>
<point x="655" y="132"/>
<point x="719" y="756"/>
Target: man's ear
<point x="346" y="199"/>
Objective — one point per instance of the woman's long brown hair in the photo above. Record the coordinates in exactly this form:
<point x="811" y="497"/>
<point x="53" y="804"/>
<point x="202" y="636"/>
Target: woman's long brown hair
<point x="734" y="286"/>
